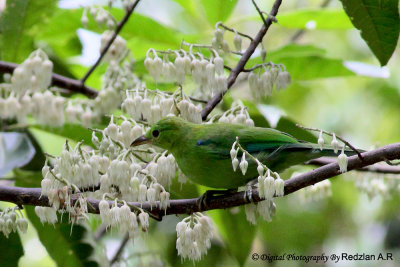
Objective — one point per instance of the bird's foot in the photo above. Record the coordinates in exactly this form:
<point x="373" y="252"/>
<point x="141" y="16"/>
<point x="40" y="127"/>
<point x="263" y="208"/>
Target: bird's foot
<point x="203" y="201"/>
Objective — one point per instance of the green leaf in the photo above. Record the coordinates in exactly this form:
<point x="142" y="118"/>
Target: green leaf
<point x="66" y="247"/>
<point x="11" y="250"/>
<point x="378" y="22"/>
<point x="218" y="10"/>
<point x="324" y="19"/>
<point x="19" y="22"/>
<point x="38" y="159"/>
<point x="289" y="126"/>
<point x="189" y="6"/>
<point x="305" y="62"/>
<point x="74" y="132"/>
<point x="236" y="231"/>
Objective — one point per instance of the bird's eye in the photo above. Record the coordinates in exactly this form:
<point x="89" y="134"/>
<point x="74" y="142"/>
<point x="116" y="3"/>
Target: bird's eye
<point x="156" y="133"/>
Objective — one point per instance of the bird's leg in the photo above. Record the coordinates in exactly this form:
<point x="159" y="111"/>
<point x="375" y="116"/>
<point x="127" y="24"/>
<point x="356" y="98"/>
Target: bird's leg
<point x="202" y="202"/>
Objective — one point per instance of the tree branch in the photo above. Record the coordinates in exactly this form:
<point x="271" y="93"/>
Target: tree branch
<point x="377" y="168"/>
<point x="57" y="80"/>
<point x="103" y="52"/>
<point x="242" y="62"/>
<point x="31" y="196"/>
<point x="120" y="249"/>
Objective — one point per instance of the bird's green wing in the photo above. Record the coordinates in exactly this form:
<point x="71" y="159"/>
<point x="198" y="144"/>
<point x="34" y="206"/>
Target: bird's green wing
<point x="217" y="139"/>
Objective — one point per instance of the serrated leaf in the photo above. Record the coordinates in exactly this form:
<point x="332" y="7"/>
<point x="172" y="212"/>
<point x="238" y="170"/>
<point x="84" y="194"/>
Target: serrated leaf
<point x="378" y="22"/>
<point x="18" y="23"/>
<point x="11" y="250"/>
<point x="16" y="150"/>
<point x="236" y="231"/>
<point x="324" y="19"/>
<point x="218" y="10"/>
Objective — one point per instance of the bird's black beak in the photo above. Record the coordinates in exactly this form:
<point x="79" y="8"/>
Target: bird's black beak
<point x="140" y="141"/>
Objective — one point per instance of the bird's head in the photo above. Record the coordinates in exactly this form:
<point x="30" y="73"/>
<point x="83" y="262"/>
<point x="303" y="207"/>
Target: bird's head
<point x="164" y="133"/>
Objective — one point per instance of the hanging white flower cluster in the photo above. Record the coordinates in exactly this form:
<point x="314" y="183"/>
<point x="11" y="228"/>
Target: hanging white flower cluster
<point x="342" y="158"/>
<point x="376" y="184"/>
<point x="116" y="79"/>
<point x="266" y="209"/>
<point x="238" y="114"/>
<point x="100" y="15"/>
<point x="208" y="74"/>
<point x="34" y="74"/>
<point x="218" y="42"/>
<point x="152" y="105"/>
<point x="25" y="94"/>
<point x="133" y="181"/>
<point x="117" y="50"/>
<point x="123" y="217"/>
<point x="261" y="85"/>
<point x="10" y="221"/>
<point x="125" y="133"/>
<point x="268" y="187"/>
<point x="315" y="192"/>
<point x="46" y="214"/>
<point x="194" y="235"/>
<point x="163" y="168"/>
<point x="74" y="167"/>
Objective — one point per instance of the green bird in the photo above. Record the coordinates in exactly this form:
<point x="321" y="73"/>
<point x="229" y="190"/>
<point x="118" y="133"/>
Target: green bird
<point x="202" y="151"/>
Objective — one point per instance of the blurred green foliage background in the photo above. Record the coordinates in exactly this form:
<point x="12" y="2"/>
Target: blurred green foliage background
<point x="338" y="85"/>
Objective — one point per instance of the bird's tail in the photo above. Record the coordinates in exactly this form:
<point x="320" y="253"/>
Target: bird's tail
<point x="299" y="153"/>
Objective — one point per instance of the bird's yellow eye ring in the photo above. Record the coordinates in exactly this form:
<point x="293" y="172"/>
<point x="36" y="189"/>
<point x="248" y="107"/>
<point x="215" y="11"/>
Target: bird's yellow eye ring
<point x="155" y="133"/>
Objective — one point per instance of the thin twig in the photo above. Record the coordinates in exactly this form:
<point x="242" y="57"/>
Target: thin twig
<point x="299" y="33"/>
<point x="242" y="62"/>
<point x="57" y="80"/>
<point x="376" y="168"/>
<point x="32" y="196"/>
<point x="120" y="249"/>
<point x="103" y="52"/>
<point x="235" y="31"/>
<point x="100" y="232"/>
<point x="331" y="134"/>
<point x="261" y="13"/>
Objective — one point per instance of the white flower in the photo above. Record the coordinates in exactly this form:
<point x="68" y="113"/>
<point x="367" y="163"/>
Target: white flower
<point x="279" y="187"/>
<point x="320" y="141"/>
<point x="335" y="143"/>
<point x="261" y="190"/>
<point x="144" y="221"/>
<point x="250" y="210"/>
<point x="260" y="170"/>
<point x="193" y="236"/>
<point x="342" y="161"/>
<point x="235" y="163"/>
<point x="269" y="187"/>
<point x="22" y="225"/>
<point x="243" y="164"/>
<point x="164" y="200"/>
<point x="142" y="193"/>
<point x="237" y="41"/>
